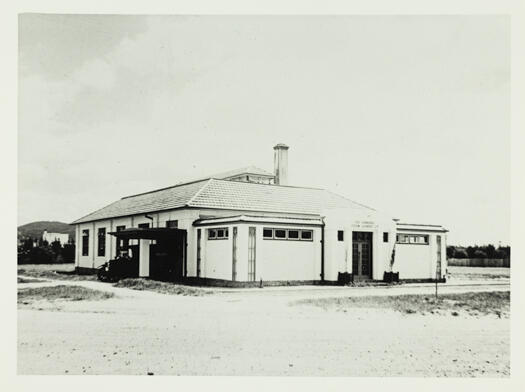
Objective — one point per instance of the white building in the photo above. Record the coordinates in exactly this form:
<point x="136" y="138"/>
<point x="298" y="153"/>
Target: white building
<point x="249" y="225"/>
<point x="52" y="237"/>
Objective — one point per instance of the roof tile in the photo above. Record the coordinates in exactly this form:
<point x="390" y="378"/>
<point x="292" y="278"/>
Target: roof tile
<point x="231" y="195"/>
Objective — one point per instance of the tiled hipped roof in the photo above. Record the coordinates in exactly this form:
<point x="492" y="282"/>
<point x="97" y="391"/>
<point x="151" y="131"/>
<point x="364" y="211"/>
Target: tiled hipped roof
<point x="231" y="195"/>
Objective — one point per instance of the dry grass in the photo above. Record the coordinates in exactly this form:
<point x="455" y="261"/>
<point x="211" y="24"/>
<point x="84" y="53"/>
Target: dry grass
<point x="53" y="271"/>
<point x="484" y="303"/>
<point x="159" y="287"/>
<point x="476" y="273"/>
<point x="60" y="293"/>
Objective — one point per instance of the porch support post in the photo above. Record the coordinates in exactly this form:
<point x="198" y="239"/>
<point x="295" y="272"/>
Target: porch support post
<point x="144" y="258"/>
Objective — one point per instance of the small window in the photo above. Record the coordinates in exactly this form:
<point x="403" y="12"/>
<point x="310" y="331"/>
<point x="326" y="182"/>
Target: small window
<point x="218" y="234"/>
<point x="385" y="237"/>
<point x="85" y="242"/>
<point x="287" y="234"/>
<point x="293" y="234"/>
<point x="412" y="239"/>
<point x="280" y="234"/>
<point x="307" y="235"/>
<point x="143" y="225"/>
<point x="172" y="223"/>
<point x="340" y="235"/>
<point x="101" y="242"/>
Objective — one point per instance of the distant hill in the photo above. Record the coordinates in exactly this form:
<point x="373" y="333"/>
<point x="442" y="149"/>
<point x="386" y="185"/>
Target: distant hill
<point x="35" y="229"/>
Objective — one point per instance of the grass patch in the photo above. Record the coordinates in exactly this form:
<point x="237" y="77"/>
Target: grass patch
<point x="53" y="271"/>
<point x="61" y="293"/>
<point x="485" y="303"/>
<point x="478" y="273"/>
<point x="29" y="280"/>
<point x="159" y="287"/>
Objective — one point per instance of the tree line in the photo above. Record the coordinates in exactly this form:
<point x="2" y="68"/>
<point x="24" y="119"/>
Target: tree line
<point x="478" y="252"/>
<point x="32" y="251"/>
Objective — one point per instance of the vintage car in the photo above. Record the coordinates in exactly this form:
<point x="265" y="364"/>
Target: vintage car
<point x="118" y="268"/>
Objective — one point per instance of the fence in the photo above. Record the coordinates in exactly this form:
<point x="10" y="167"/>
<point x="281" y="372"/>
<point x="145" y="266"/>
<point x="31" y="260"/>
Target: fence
<point x="479" y="262"/>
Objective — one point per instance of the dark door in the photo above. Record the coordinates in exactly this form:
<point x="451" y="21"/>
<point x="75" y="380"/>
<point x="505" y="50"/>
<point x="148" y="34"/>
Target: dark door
<point x="166" y="258"/>
<point x="362" y="254"/>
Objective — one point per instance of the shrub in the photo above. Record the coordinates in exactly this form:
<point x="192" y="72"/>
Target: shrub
<point x="479" y="254"/>
<point x="37" y="255"/>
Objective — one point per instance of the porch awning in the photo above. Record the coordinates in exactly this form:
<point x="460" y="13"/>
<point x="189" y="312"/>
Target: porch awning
<point x="153" y="233"/>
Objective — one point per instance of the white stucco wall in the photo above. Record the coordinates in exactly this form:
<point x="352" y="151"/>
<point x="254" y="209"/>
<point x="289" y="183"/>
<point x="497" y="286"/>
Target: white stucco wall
<point x="288" y="259"/>
<point x="274" y="259"/>
<point x="92" y="260"/>
<point x="418" y="261"/>
<point x="338" y="254"/>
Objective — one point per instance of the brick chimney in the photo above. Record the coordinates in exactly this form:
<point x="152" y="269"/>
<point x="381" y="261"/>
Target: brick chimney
<point x="280" y="164"/>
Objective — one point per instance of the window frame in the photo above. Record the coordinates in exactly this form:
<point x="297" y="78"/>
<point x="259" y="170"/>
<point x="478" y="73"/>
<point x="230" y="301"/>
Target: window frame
<point x="215" y="231"/>
<point x="412" y="239"/>
<point x="85" y="242"/>
<point x="168" y="222"/>
<point x="101" y="246"/>
<point x="286" y="234"/>
<point x="298" y="238"/>
<point x="144" y="225"/>
<point x="271" y="233"/>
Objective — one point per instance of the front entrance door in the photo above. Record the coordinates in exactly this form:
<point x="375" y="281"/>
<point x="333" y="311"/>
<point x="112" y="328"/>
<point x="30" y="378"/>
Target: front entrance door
<point x="361" y="254"/>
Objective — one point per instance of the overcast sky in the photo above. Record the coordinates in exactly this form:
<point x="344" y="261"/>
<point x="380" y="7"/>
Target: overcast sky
<point x="409" y="115"/>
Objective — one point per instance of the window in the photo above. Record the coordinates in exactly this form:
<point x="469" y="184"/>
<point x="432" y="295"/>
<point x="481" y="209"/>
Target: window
<point x="172" y="223"/>
<point x="85" y="242"/>
<point x="218" y="234"/>
<point x="307" y="235"/>
<point x="267" y="233"/>
<point x="340" y="235"/>
<point x="279" y="234"/>
<point x="420" y="239"/>
<point x="101" y="242"/>
<point x="385" y="237"/>
<point x="293" y="234"/>
<point x="143" y="225"/>
<point x="287" y="234"/>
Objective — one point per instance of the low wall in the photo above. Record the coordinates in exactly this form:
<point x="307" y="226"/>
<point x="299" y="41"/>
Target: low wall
<point x="478" y="262"/>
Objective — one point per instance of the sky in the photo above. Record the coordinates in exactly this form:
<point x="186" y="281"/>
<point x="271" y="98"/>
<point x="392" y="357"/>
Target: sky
<point x="407" y="114"/>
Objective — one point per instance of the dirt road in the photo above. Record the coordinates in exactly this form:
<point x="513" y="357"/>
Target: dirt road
<point x="256" y="332"/>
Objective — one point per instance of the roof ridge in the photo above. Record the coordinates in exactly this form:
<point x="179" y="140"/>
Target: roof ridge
<point x="274" y="185"/>
<point x="346" y="198"/>
<point x="165" y="188"/>
<point x="188" y="203"/>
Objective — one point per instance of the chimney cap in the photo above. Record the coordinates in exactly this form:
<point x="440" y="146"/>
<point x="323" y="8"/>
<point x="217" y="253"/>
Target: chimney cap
<point x="281" y="145"/>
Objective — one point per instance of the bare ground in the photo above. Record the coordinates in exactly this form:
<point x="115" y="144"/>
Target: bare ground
<point x="259" y="332"/>
<point x="53" y="271"/>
